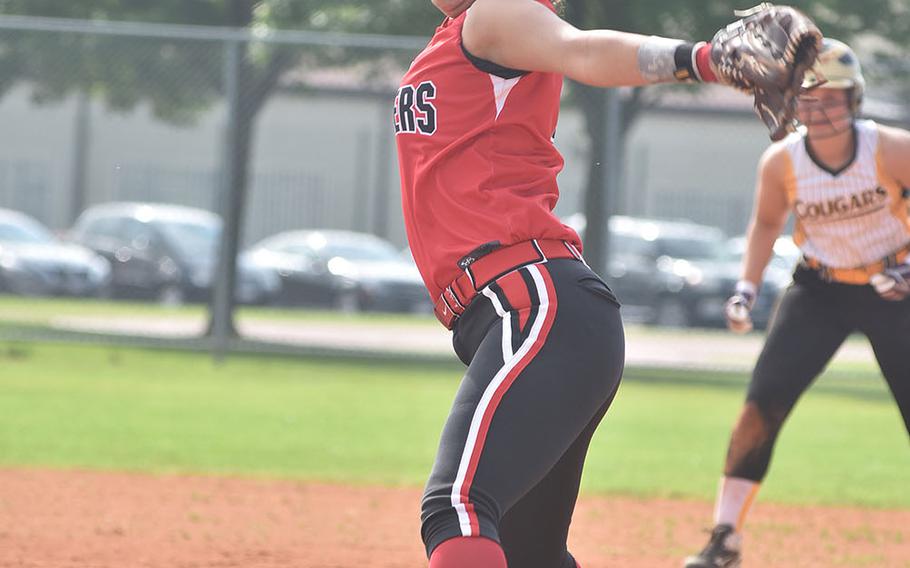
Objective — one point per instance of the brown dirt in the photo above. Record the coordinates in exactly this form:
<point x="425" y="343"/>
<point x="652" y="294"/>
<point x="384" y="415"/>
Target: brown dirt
<point x="100" y="520"/>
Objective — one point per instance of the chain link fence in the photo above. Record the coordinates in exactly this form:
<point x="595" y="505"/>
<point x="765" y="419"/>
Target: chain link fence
<point x="163" y="159"/>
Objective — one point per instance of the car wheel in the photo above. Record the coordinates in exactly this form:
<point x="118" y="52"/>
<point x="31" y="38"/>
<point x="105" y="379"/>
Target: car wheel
<point x="171" y="295"/>
<point x="348" y="301"/>
<point x="421" y="307"/>
<point x="104" y="292"/>
<point x="672" y="312"/>
<point x="22" y="289"/>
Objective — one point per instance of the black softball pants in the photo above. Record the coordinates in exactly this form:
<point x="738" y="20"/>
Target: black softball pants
<point x="544" y="347"/>
<point x="813" y="320"/>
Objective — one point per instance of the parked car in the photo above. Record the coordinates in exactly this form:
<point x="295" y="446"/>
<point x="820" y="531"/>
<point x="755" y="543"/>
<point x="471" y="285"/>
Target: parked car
<point x="165" y="252"/>
<point x="342" y="269"/>
<point x="34" y="262"/>
<point x="777" y="277"/>
<point x="676" y="272"/>
<point x="669" y="272"/>
<point x="783" y="261"/>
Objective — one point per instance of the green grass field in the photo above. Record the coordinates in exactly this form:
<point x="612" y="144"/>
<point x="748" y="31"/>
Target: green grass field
<point x="377" y="422"/>
<point x="41" y="311"/>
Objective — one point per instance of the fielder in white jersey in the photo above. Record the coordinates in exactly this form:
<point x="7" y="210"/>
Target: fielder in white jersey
<point x="846" y="183"/>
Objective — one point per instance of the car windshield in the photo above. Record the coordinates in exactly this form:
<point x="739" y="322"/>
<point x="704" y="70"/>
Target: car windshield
<point x="690" y="248"/>
<point x="24" y="233"/>
<point x="367" y="250"/>
<point x="630" y="245"/>
<point x="785" y="256"/>
<point x="193" y="239"/>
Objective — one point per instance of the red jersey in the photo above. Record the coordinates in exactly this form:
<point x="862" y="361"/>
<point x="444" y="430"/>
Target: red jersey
<point x="476" y="155"/>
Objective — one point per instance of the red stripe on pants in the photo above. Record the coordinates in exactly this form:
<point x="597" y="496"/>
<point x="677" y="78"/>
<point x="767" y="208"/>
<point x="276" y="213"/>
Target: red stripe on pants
<point x="549" y="314"/>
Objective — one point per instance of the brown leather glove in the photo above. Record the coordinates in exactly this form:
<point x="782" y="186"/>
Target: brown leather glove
<point x="767" y="53"/>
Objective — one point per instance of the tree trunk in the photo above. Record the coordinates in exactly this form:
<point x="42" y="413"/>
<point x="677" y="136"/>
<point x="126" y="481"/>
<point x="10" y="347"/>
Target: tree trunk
<point x="593" y="106"/>
<point x="253" y="91"/>
<point x="237" y="170"/>
<point x="599" y="199"/>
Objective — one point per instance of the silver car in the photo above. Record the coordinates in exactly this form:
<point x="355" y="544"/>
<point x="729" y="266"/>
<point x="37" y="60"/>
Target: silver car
<point x="34" y="262"/>
<point x="165" y="252"/>
<point x="342" y="269"/>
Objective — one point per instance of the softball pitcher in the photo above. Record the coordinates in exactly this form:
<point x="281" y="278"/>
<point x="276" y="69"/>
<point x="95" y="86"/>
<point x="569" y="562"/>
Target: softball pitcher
<point x="541" y="333"/>
<point x="845" y="181"/>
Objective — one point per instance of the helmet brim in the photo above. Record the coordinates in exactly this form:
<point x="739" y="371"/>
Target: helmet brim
<point x="811" y="83"/>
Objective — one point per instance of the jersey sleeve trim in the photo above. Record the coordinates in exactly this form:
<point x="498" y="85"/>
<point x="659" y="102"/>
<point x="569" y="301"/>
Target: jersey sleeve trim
<point x="490" y="67"/>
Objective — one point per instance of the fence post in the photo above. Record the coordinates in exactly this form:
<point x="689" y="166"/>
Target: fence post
<point x="384" y="142"/>
<point x="82" y="142"/>
<point x="361" y="193"/>
<point x="222" y="289"/>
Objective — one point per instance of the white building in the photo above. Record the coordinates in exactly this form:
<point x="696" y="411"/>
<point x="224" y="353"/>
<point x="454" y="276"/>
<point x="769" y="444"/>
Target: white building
<point x="329" y="161"/>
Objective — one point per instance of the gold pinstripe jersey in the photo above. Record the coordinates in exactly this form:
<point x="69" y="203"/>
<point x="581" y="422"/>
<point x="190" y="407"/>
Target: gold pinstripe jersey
<point x="848" y="218"/>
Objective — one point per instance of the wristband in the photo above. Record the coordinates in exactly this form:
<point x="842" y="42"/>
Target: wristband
<point x="657" y="58"/>
<point x="662" y="59"/>
<point x="703" y="63"/>
<point x="693" y="63"/>
<point x="746" y="289"/>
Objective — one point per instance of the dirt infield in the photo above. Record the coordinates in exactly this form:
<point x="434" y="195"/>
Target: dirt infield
<point x="100" y="520"/>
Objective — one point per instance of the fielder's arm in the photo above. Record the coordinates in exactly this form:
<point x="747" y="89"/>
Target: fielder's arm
<point x="769" y="214"/>
<point x="896" y="153"/>
<point x="893" y="284"/>
<point x="526" y="35"/>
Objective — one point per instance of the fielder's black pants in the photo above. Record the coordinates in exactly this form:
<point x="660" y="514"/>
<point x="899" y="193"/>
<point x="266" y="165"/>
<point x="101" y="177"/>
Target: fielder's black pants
<point x="813" y="320"/>
<point x="544" y="347"/>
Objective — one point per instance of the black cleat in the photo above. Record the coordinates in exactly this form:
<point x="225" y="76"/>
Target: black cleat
<point x="722" y="551"/>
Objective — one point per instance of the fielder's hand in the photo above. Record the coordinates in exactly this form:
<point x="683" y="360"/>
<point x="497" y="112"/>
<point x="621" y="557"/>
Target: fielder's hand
<point x="893" y="284"/>
<point x="738" y="308"/>
<point x="453" y="8"/>
<point x="767" y="53"/>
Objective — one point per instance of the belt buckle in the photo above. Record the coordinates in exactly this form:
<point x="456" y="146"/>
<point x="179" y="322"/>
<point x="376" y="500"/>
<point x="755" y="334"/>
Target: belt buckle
<point x="501" y="265"/>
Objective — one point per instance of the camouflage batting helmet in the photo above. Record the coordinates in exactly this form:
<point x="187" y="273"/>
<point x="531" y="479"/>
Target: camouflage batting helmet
<point x="837" y="67"/>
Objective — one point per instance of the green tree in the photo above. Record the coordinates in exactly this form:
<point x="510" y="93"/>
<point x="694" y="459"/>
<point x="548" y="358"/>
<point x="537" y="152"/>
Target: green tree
<point x="181" y="78"/>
